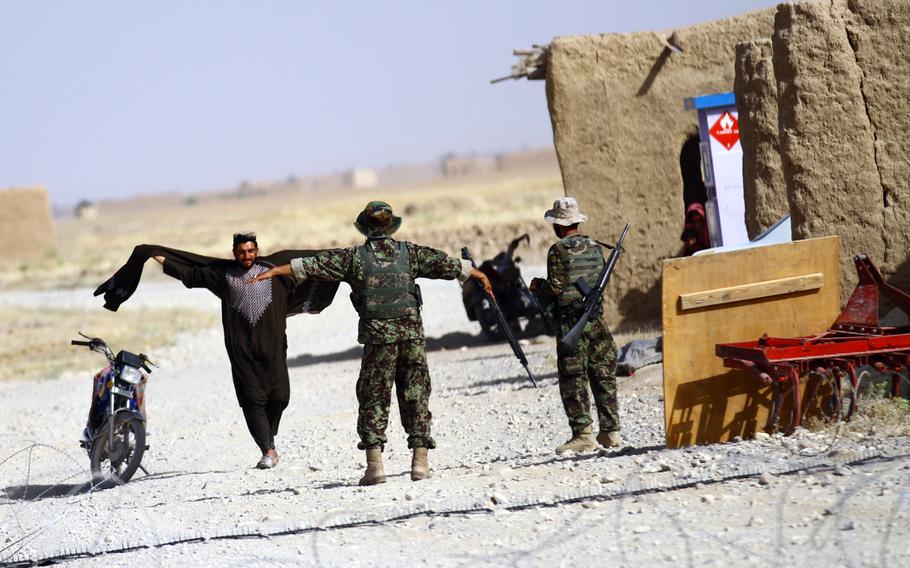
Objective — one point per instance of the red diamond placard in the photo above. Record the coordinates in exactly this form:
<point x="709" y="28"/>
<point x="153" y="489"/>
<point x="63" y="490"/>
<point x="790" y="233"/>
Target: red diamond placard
<point x="726" y="130"/>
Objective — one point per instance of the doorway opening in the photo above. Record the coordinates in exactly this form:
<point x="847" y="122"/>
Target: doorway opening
<point x="694" y="190"/>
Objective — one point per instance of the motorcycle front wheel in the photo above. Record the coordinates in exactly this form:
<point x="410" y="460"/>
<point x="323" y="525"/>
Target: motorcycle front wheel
<point x="115" y="463"/>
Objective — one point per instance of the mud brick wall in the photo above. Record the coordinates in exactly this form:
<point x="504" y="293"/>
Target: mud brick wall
<point x="844" y="118"/>
<point x="26" y="228"/>
<point x="764" y="189"/>
<point x="879" y="34"/>
<point x="619" y="125"/>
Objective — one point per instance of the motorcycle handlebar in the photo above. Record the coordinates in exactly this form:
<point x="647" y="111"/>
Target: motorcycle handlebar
<point x="81" y="343"/>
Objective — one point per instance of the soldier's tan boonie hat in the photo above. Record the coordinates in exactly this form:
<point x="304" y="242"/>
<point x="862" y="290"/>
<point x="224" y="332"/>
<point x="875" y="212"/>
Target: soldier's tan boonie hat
<point x="565" y="212"/>
<point x="377" y="220"/>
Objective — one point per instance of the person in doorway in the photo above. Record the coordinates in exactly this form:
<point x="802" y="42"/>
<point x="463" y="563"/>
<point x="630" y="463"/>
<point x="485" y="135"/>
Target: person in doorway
<point x="695" y="235"/>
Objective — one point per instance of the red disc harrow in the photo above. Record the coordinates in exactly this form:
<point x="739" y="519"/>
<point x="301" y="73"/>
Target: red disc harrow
<point x="855" y="340"/>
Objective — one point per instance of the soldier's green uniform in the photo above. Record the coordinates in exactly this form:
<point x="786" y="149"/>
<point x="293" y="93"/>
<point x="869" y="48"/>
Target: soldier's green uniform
<point x="594" y="361"/>
<point x="381" y="274"/>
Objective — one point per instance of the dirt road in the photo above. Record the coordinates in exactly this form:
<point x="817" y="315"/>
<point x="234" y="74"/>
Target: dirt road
<point x="499" y="495"/>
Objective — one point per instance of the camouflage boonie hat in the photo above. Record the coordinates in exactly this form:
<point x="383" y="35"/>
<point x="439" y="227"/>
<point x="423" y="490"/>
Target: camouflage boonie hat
<point x="377" y="220"/>
<point x="565" y="212"/>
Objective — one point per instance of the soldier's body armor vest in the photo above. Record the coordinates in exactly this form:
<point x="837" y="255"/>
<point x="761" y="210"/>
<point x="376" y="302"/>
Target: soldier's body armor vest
<point x="387" y="290"/>
<point x="582" y="257"/>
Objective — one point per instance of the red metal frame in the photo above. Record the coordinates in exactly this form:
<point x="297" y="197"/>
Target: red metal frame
<point x="855" y="339"/>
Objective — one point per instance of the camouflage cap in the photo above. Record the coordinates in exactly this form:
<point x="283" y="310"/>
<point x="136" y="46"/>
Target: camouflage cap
<point x="377" y="220"/>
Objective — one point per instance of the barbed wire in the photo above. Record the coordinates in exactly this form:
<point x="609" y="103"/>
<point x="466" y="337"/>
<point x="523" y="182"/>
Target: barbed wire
<point x="634" y="485"/>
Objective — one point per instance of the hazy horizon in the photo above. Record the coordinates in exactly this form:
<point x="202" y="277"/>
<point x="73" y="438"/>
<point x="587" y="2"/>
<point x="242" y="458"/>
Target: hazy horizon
<point x="111" y="100"/>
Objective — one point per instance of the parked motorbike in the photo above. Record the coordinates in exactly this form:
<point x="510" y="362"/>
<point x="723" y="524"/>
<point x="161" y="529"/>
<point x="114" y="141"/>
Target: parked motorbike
<point x="116" y="442"/>
<point x="512" y="295"/>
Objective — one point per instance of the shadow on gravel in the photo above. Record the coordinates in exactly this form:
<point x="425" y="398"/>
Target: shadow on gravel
<point x="38" y="492"/>
<point x="354" y="482"/>
<point x="35" y="492"/>
<point x="534" y="460"/>
<point x="171" y="474"/>
<point x="453" y="340"/>
<point x="258" y="492"/>
<point x="623" y="452"/>
<point x="515" y="379"/>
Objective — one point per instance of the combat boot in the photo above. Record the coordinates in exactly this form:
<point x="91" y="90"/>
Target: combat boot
<point x="579" y="442"/>
<point x="375" y="473"/>
<point x="609" y="439"/>
<point x="420" y="468"/>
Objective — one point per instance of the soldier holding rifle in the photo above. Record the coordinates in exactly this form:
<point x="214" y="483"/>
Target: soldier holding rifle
<point x="574" y="266"/>
<point x="381" y="273"/>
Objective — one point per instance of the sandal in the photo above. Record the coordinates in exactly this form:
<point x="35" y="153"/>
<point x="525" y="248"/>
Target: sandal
<point x="266" y="462"/>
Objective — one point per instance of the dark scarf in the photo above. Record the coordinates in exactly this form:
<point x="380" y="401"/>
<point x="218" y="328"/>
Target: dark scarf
<point x="311" y="296"/>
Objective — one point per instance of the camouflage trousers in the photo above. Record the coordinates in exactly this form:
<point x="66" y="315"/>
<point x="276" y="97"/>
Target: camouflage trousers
<point x="404" y="365"/>
<point x="592" y="364"/>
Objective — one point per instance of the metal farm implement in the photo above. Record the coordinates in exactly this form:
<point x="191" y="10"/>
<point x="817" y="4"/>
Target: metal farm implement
<point x="856" y="340"/>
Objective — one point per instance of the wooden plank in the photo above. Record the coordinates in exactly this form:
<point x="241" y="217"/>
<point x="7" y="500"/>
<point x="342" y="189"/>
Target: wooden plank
<point x="753" y="291"/>
<point x="705" y="402"/>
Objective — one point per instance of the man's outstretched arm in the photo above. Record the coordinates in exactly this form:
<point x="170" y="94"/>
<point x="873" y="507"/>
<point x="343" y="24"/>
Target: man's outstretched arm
<point x="191" y="276"/>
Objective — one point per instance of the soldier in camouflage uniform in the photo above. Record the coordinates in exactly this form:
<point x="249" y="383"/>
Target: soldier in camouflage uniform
<point x="593" y="363"/>
<point x="381" y="274"/>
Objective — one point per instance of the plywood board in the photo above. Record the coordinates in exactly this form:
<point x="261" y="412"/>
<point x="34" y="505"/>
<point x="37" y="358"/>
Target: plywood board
<point x="705" y="402"/>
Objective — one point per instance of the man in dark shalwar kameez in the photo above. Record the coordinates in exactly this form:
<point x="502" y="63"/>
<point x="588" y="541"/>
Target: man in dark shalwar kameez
<point x="253" y="317"/>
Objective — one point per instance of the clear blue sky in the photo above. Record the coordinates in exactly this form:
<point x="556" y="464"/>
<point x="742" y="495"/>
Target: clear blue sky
<point x="103" y="99"/>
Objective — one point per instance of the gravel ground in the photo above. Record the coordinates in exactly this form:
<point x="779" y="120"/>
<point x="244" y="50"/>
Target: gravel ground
<point x="499" y="495"/>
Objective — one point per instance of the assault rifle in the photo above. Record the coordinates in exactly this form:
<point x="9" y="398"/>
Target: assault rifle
<point x="501" y="320"/>
<point x="593" y="297"/>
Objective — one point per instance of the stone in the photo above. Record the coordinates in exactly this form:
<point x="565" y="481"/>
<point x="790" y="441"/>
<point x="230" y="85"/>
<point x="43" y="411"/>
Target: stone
<point x="498" y="499"/>
<point x="765" y="478"/>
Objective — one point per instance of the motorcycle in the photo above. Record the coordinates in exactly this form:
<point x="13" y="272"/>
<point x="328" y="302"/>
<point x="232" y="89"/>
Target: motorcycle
<point x="512" y="295"/>
<point x="116" y="441"/>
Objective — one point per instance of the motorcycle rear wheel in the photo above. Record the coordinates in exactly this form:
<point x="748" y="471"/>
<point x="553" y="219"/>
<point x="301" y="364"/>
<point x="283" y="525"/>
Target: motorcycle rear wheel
<point x="115" y="464"/>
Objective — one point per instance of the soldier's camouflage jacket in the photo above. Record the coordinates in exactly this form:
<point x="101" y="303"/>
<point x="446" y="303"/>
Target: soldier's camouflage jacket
<point x="425" y="262"/>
